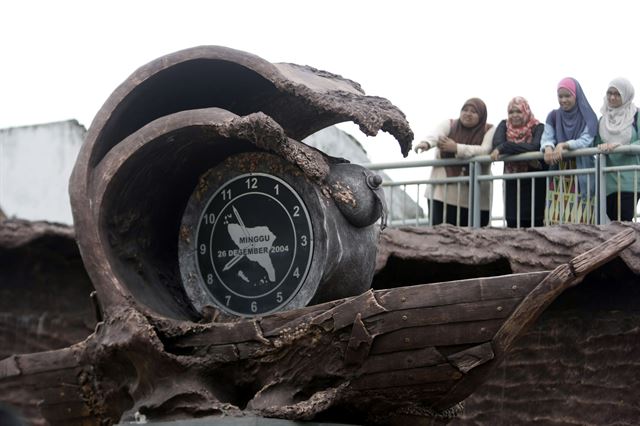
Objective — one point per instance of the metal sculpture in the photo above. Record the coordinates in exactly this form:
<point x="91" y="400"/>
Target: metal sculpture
<point x="232" y="263"/>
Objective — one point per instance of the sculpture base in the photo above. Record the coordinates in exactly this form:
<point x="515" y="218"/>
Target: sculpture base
<point x="232" y="421"/>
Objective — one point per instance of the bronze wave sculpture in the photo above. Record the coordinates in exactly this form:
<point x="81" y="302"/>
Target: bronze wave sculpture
<point x="233" y="263"/>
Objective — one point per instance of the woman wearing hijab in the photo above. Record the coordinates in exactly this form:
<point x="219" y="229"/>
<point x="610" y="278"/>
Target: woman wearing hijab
<point x="465" y="137"/>
<point x="619" y="126"/>
<point x="519" y="133"/>
<point x="572" y="126"/>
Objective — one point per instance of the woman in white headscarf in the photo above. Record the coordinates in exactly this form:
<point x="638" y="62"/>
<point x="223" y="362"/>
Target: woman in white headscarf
<point x="619" y="126"/>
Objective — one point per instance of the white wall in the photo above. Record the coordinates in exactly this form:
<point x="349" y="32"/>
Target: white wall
<point x="35" y="165"/>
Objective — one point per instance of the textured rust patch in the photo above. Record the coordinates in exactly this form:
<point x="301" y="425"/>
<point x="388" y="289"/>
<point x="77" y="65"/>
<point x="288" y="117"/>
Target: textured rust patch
<point x="343" y="194"/>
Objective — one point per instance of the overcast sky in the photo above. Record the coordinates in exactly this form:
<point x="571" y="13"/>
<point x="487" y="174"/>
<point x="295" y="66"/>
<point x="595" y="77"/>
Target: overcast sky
<point x="62" y="59"/>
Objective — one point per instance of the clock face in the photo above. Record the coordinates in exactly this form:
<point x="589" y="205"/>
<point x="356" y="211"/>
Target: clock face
<point x="253" y="245"/>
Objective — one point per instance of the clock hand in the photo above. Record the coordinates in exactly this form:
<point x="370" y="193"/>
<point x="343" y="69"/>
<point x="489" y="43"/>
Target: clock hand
<point x="236" y="259"/>
<point x="240" y="222"/>
<point x="232" y="262"/>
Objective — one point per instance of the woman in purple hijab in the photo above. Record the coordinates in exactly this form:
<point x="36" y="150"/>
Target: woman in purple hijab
<point x="570" y="198"/>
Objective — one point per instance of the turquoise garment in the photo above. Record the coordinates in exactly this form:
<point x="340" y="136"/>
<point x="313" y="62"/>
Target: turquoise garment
<point x="626" y="178"/>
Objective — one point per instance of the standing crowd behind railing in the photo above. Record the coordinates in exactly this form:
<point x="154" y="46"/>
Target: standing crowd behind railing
<point x="573" y="168"/>
<point x="402" y="211"/>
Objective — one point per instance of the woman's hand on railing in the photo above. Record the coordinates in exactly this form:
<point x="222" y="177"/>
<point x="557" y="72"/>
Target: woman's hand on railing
<point x="495" y="154"/>
<point x="607" y="147"/>
<point x="554" y="155"/>
<point x="557" y="152"/>
<point x="549" y="156"/>
<point x="421" y="147"/>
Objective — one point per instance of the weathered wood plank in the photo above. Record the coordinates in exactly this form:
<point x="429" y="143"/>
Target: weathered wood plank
<point x="557" y="281"/>
<point x="436" y="335"/>
<point x="598" y="256"/>
<point x="359" y="344"/>
<point x="471" y="290"/>
<point x="222" y="334"/>
<point x="409" y="377"/>
<point x="38" y="362"/>
<point x="277" y="321"/>
<point x="462" y="312"/>
<point x="344" y="314"/>
<point x="470" y="358"/>
<point x="370" y="304"/>
<point x="403" y="360"/>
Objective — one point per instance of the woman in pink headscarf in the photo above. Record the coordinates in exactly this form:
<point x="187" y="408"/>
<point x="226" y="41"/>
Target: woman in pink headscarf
<point x="519" y="133"/>
<point x="570" y="198"/>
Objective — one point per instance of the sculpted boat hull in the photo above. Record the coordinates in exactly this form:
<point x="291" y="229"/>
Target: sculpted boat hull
<point x="377" y="357"/>
<point x="185" y="141"/>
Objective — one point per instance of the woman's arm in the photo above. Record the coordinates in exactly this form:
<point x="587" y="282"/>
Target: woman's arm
<point x="467" y="151"/>
<point x="610" y="147"/>
<point x="547" y="144"/>
<point x="432" y="139"/>
<point x="500" y="136"/>
<point x="512" y="148"/>
<point x="499" y="139"/>
<point x="584" y="141"/>
<point x="548" y="138"/>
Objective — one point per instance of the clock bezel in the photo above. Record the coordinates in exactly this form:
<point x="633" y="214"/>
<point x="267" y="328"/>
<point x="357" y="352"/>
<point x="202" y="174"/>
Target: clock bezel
<point x="209" y="186"/>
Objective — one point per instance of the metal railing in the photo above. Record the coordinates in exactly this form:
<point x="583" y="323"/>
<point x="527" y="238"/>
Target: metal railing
<point x="416" y="188"/>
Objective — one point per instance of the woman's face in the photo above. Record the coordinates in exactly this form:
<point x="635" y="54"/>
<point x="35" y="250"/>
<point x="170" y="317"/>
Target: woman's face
<point x="613" y="98"/>
<point x="469" y="117"/>
<point x="566" y="99"/>
<point x="516" y="116"/>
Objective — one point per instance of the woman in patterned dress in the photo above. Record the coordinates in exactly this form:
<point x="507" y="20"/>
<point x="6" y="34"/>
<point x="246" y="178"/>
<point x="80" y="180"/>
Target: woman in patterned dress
<point x="570" y="198"/>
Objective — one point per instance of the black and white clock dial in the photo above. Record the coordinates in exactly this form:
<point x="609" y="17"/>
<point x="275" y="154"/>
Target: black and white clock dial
<point x="254" y="244"/>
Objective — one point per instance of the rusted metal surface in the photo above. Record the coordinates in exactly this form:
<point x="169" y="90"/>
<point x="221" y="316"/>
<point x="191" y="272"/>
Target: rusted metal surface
<point x="380" y="356"/>
<point x="182" y="114"/>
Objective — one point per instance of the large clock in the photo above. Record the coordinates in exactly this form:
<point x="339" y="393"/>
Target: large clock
<point x="248" y="239"/>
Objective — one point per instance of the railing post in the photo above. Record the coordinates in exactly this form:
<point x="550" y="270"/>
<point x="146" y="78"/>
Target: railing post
<point x="601" y="189"/>
<point x="477" y="171"/>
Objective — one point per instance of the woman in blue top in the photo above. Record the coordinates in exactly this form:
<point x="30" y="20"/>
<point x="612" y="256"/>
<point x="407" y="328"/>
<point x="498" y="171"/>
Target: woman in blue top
<point x="619" y="126"/>
<point x="572" y="126"/>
